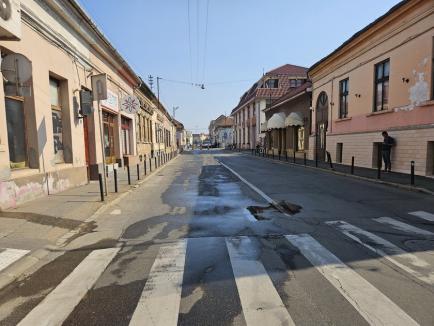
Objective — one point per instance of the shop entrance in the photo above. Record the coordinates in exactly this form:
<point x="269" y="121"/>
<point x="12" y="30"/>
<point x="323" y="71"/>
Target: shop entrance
<point x="109" y="138"/>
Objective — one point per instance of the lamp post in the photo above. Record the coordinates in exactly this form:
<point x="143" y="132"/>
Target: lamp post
<point x="174" y="109"/>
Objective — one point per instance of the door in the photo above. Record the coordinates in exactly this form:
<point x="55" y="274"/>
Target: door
<point x="86" y="145"/>
<point x="321" y="126"/>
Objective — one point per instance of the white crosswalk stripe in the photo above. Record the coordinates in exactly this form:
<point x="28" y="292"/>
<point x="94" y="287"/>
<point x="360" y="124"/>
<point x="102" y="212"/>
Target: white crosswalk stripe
<point x="423" y="215"/>
<point x="161" y="296"/>
<point x="9" y="256"/>
<point x="402" y="226"/>
<point x="419" y="268"/>
<point x="57" y="305"/>
<point x="261" y="303"/>
<point x="373" y="305"/>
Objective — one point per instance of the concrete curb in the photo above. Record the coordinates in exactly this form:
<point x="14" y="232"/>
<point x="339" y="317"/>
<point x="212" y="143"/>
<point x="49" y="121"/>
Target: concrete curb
<point x="26" y="265"/>
<point x="387" y="183"/>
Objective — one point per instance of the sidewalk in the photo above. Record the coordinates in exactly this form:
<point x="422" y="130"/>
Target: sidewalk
<point x="52" y="221"/>
<point x="421" y="183"/>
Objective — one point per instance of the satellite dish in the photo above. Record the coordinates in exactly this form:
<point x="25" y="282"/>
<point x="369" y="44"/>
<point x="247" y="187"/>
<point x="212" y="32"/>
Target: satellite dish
<point x="16" y="68"/>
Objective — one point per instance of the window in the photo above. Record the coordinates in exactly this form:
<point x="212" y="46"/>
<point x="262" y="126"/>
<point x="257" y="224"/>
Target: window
<point x="57" y="118"/>
<point x="381" y="99"/>
<point x="272" y="83"/>
<point x="293" y="83"/>
<point x="15" y="120"/>
<point x="125" y="124"/>
<point x="343" y="98"/>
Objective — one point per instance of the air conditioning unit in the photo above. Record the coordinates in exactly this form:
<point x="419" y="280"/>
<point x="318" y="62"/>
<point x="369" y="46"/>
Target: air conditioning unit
<point x="10" y="20"/>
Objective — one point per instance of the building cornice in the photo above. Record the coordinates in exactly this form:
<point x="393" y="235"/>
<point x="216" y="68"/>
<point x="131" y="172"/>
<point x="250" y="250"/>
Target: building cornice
<point x="361" y="37"/>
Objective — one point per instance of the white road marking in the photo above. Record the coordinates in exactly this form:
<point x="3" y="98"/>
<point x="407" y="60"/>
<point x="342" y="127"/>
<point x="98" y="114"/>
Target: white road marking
<point x="161" y="296"/>
<point x="402" y="226"/>
<point x="9" y="256"/>
<point x="373" y="305"/>
<point x="57" y="305"/>
<point x="116" y="212"/>
<point x="423" y="215"/>
<point x="260" y="192"/>
<point x="388" y="251"/>
<point x="260" y="301"/>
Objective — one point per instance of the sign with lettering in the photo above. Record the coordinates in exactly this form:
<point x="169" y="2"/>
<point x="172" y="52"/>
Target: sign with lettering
<point x="112" y="101"/>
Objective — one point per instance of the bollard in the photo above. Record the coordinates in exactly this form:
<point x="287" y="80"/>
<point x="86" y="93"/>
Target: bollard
<point x="150" y="164"/>
<point x="278" y="155"/>
<point x="273" y="154"/>
<point x="128" y="173"/>
<point x="101" y="188"/>
<point x="155" y="165"/>
<point x="293" y="157"/>
<point x="412" y="173"/>
<point x="144" y="165"/>
<point x="115" y="173"/>
<point x="304" y="158"/>
<point x="286" y="155"/>
<point x="329" y="158"/>
<point x="316" y="159"/>
<point x="352" y="165"/>
<point x="138" y="171"/>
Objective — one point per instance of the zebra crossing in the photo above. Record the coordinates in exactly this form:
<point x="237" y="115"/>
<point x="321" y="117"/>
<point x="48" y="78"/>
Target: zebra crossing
<point x="8" y="256"/>
<point x="259" y="296"/>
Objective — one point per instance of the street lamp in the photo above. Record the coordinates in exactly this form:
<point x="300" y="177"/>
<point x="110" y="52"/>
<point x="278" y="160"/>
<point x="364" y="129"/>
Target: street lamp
<point x="174" y="110"/>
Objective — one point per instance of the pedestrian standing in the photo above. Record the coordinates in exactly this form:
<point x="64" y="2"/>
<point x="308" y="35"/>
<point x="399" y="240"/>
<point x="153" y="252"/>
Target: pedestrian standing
<point x="386" y="148"/>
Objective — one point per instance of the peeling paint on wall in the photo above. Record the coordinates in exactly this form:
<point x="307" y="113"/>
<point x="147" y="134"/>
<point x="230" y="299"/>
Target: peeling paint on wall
<point x="419" y="92"/>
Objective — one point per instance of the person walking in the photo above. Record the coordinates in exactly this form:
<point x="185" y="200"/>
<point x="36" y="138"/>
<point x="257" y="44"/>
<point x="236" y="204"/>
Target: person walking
<point x="386" y="148"/>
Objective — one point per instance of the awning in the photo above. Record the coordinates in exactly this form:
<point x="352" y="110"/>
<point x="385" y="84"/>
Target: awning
<point x="277" y="121"/>
<point x="294" y="119"/>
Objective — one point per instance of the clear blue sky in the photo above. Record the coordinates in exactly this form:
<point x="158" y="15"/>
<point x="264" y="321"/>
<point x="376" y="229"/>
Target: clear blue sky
<point x="243" y="38"/>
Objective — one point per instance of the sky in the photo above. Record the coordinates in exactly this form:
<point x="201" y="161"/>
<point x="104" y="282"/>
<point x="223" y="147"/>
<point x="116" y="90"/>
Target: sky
<point x="224" y="44"/>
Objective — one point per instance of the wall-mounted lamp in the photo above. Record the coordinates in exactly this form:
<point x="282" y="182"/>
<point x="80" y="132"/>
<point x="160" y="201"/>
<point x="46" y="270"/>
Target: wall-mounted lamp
<point x="405" y="80"/>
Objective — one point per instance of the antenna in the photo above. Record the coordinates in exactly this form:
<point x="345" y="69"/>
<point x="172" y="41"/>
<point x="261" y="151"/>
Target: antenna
<point x="151" y="81"/>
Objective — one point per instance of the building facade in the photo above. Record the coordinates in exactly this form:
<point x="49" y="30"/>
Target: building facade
<point x="50" y="118"/>
<point x="288" y="122"/>
<point x="381" y="79"/>
<point x="249" y="115"/>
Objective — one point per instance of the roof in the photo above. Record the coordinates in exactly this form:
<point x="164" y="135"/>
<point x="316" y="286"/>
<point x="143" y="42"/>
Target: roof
<point x="306" y="87"/>
<point x="109" y="45"/>
<point x="359" y="33"/>
<point x="177" y="123"/>
<point x="288" y="69"/>
<point x="255" y="91"/>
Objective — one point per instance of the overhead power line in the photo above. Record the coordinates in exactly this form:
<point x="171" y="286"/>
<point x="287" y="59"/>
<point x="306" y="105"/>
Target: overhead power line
<point x="189" y="40"/>
<point x="205" y="42"/>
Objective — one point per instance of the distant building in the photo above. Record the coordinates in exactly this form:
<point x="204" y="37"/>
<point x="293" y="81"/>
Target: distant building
<point x="181" y="135"/>
<point x="221" y="131"/>
<point x="379" y="79"/>
<point x="249" y="115"/>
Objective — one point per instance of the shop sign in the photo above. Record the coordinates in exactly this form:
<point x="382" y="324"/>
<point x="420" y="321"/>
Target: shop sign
<point x="130" y="104"/>
<point x="112" y="101"/>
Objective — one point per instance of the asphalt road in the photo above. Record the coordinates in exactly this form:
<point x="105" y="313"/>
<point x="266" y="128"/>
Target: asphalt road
<point x="197" y="244"/>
